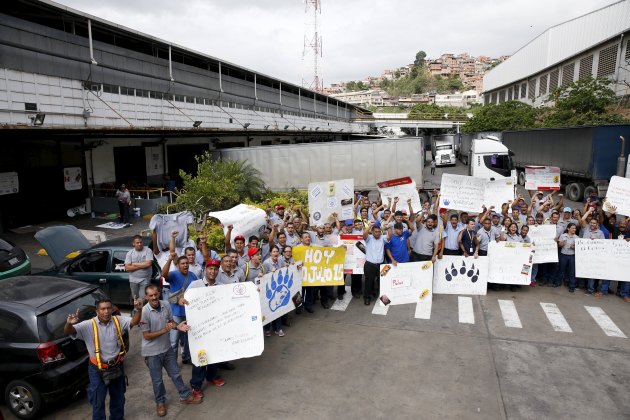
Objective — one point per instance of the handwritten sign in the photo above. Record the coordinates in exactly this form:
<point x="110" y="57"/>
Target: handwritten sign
<point x="406" y="283"/>
<point x="602" y="259"/>
<point x="355" y="253"/>
<point x="541" y="178"/>
<point x="225" y="323"/>
<point x="509" y="263"/>
<point x="458" y="275"/>
<point x="618" y="195"/>
<point x="467" y="193"/>
<point x="545" y="246"/>
<point x="321" y="266"/>
<point x="246" y="220"/>
<point x="277" y="292"/>
<point x="404" y="189"/>
<point x="325" y="198"/>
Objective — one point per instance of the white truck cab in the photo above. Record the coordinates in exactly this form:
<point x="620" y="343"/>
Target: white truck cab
<point x="444" y="153"/>
<point x="490" y="159"/>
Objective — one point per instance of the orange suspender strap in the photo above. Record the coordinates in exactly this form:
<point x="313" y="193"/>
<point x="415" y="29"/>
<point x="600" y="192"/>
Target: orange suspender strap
<point x="97" y="347"/>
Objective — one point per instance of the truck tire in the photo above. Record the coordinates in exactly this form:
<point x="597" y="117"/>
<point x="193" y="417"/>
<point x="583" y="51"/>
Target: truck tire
<point x="587" y="190"/>
<point x="521" y="177"/>
<point x="574" y="191"/>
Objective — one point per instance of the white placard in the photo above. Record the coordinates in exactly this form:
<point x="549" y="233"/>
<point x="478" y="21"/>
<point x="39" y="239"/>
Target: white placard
<point x="509" y="263"/>
<point x="545" y="246"/>
<point x="154" y="160"/>
<point x="9" y="183"/>
<point x="225" y="323"/>
<point x="325" y="198"/>
<point x="406" y="283"/>
<point x="355" y="258"/>
<point x="277" y="292"/>
<point x="618" y="195"/>
<point x="458" y="275"/>
<point x="603" y="259"/>
<point x="467" y="193"/>
<point x="404" y="189"/>
<point x="246" y="221"/>
<point x="542" y="178"/>
<point x="72" y="178"/>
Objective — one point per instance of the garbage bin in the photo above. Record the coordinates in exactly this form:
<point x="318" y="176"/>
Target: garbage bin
<point x="136" y="212"/>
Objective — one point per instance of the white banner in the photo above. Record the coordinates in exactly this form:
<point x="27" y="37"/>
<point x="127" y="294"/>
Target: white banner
<point x="9" y="183"/>
<point x="225" y="323"/>
<point x="603" y="259"/>
<point x="325" y="198"/>
<point x="278" y="292"/>
<point x="72" y="178"/>
<point x="510" y="263"/>
<point x="355" y="253"/>
<point x="458" y="275"/>
<point x="406" y="283"/>
<point x="467" y="193"/>
<point x="545" y="246"/>
<point x="246" y="221"/>
<point x="404" y="189"/>
<point x="542" y="178"/>
<point x="618" y="195"/>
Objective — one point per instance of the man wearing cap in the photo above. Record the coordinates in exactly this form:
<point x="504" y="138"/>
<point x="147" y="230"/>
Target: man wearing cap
<point x="567" y="217"/>
<point x="239" y="245"/>
<point x="278" y="216"/>
<point x="425" y="240"/>
<point x="254" y="267"/>
<point x="399" y="215"/>
<point x="397" y="245"/>
<point x="374" y="257"/>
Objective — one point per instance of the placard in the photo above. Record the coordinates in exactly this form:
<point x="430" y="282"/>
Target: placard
<point x="542" y="178"/>
<point x="406" y="283"/>
<point x="72" y="178"/>
<point x="545" y="246"/>
<point x="458" y="275"/>
<point x="355" y="253"/>
<point x="246" y="221"/>
<point x="9" y="183"/>
<point x="325" y="198"/>
<point x="618" y="195"/>
<point x="467" y="193"/>
<point x="278" y="292"/>
<point x="603" y="259"/>
<point x="404" y="189"/>
<point x="225" y="323"/>
<point x="321" y="265"/>
<point x="509" y="263"/>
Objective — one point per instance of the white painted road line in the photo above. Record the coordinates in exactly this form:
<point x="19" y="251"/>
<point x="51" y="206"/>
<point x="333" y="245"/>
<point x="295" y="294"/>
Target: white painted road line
<point x="510" y="316"/>
<point x="379" y="308"/>
<point x="556" y="319"/>
<point x="342" y="305"/>
<point x="466" y="311"/>
<point x="605" y="323"/>
<point x="423" y="309"/>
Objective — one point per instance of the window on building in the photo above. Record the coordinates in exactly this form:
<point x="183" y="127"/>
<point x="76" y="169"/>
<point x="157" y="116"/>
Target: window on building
<point x="510" y="92"/>
<point x="523" y="90"/>
<point x="568" y="73"/>
<point x="607" y="63"/>
<point x="553" y="79"/>
<point x="586" y="67"/>
<point x="531" y="89"/>
<point x="542" y="87"/>
<point x="486" y="99"/>
<point x="627" y="56"/>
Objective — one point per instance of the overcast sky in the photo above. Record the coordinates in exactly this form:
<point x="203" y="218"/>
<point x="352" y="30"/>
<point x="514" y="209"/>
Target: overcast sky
<point x="360" y="38"/>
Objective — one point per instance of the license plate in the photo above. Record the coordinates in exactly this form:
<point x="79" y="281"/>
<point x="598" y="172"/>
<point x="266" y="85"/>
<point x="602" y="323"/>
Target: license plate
<point x="13" y="261"/>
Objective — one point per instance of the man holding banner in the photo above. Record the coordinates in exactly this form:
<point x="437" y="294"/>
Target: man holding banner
<point x="374" y="257"/>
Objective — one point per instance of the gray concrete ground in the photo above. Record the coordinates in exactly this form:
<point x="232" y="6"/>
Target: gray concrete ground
<point x="354" y="364"/>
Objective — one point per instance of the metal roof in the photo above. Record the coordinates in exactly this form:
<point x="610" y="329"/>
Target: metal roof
<point x="560" y="42"/>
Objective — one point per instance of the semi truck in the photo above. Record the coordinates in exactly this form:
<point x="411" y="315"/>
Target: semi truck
<point x="587" y="156"/>
<point x="443" y="149"/>
<point x="294" y="166"/>
<point x="464" y="140"/>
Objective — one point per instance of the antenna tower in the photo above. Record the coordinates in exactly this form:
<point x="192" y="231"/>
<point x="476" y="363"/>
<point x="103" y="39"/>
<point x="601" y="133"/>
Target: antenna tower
<point x="312" y="45"/>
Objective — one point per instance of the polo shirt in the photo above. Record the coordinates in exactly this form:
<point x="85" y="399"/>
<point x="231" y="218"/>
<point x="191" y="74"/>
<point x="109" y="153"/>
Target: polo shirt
<point x="397" y="245"/>
<point x="292" y="240"/>
<point x="468" y="241"/>
<point x="589" y="234"/>
<point x="486" y="236"/>
<point x="269" y="265"/>
<point x="424" y="241"/>
<point x="154" y="320"/>
<point x="375" y="249"/>
<point x="317" y="241"/>
<point x="516" y="238"/>
<point x="176" y="280"/>
<point x="450" y="236"/>
<point x="251" y="273"/>
<point x="133" y="256"/>
<point x="109" y="342"/>
<point x="236" y="276"/>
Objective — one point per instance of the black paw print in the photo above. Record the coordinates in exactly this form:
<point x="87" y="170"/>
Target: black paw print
<point x="463" y="270"/>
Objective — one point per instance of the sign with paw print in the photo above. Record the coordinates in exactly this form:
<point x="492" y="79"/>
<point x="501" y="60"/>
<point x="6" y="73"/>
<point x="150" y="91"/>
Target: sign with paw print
<point x="278" y="291"/>
<point x="459" y="275"/>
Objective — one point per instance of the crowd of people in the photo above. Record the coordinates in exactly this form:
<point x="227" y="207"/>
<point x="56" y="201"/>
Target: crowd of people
<point x="393" y="232"/>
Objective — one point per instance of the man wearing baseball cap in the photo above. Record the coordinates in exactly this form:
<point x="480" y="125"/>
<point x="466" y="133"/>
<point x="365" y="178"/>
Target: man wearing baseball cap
<point x="565" y="220"/>
<point x="254" y="267"/>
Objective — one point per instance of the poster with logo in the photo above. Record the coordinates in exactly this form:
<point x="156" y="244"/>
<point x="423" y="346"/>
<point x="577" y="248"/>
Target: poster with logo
<point x="326" y="198"/>
<point x="459" y="275"/>
<point x="72" y="178"/>
<point x="406" y="283"/>
<point x="467" y="193"/>
<point x="542" y="178"/>
<point x="279" y="292"/>
<point x="246" y="221"/>
<point x="404" y="189"/>
<point x="618" y="195"/>
<point x="320" y="265"/>
<point x="9" y="183"/>
<point x="355" y="253"/>
<point x="545" y="246"/>
<point x="510" y="262"/>
<point x="225" y="323"/>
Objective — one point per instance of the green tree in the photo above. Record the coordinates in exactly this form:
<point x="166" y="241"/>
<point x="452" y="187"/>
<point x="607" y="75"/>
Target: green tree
<point x="420" y="59"/>
<point x="510" y="115"/>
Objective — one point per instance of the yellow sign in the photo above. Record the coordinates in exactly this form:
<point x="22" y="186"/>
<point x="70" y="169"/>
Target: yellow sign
<point x="321" y="266"/>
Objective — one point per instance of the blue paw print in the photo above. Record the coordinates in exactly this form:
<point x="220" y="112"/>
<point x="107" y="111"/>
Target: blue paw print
<point x="279" y="293"/>
<point x="447" y="202"/>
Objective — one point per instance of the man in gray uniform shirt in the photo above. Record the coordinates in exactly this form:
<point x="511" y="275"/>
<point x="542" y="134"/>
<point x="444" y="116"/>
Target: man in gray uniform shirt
<point x="139" y="265"/>
<point x="228" y="273"/>
<point x="485" y="235"/>
<point x="425" y="240"/>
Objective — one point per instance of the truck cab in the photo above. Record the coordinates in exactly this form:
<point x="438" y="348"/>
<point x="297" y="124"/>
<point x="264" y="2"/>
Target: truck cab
<point x="490" y="159"/>
<point x="444" y="153"/>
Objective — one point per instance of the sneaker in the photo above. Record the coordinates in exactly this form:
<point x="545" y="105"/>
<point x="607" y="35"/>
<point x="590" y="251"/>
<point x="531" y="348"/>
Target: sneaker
<point x="532" y="284"/>
<point x="308" y="309"/>
<point x="571" y="290"/>
<point x="197" y="394"/>
<point x="626" y="299"/>
<point x="186" y="361"/>
<point x="340" y="297"/>
<point x="279" y="333"/>
<point x="267" y="333"/>
<point x="218" y="382"/>
<point x="588" y="293"/>
<point x="598" y="294"/>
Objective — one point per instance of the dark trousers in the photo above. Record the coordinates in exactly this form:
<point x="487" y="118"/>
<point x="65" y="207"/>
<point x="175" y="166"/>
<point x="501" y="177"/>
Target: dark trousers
<point x="199" y="373"/>
<point x="420" y="257"/>
<point x="452" y="251"/>
<point x="325" y="292"/>
<point x="356" y="285"/>
<point x="97" y="391"/>
<point x="124" y="211"/>
<point x="432" y="171"/>
<point x="372" y="274"/>
<point x="483" y="253"/>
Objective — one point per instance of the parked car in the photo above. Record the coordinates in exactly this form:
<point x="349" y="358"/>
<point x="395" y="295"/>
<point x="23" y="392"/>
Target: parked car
<point x="102" y="265"/>
<point x="38" y="363"/>
<point x="13" y="260"/>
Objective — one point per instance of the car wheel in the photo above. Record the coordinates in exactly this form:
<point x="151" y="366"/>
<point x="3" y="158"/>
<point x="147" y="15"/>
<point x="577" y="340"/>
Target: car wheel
<point x="574" y="191"/>
<point x="23" y="399"/>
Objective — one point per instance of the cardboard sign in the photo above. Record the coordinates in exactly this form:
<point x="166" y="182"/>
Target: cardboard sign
<point x="458" y="275"/>
<point x="355" y="253"/>
<point x="246" y="221"/>
<point x="404" y="189"/>
<point x="406" y="283"/>
<point x="467" y="193"/>
<point x="542" y="178"/>
<point x="618" y="195"/>
<point x="321" y="266"/>
<point x="603" y="259"/>
<point x="545" y="246"/>
<point x="510" y="263"/>
<point x="225" y="323"/>
<point x="278" y="292"/>
<point x="325" y="198"/>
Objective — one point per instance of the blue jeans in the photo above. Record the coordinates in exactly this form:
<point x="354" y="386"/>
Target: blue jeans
<point x="591" y="285"/>
<point x="199" y="373"/>
<point x="567" y="268"/>
<point x="624" y="289"/>
<point x="603" y="286"/>
<point x="168" y="361"/>
<point x="97" y="391"/>
<point x="177" y="336"/>
<point x="534" y="272"/>
<point x="276" y="324"/>
<point x="549" y="273"/>
<point x="325" y="292"/>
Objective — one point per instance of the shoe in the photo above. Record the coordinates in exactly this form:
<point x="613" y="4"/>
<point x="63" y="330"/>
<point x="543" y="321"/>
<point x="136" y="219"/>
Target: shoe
<point x="513" y="288"/>
<point x="356" y="295"/>
<point x="195" y="398"/>
<point x="227" y="366"/>
<point x="325" y="305"/>
<point x="549" y="284"/>
<point x="556" y="285"/>
<point x="279" y="333"/>
<point x="161" y="410"/>
<point x="218" y="382"/>
<point x="542" y="283"/>
<point x="308" y="309"/>
<point x="588" y="293"/>
<point x="626" y="299"/>
<point x="532" y="284"/>
<point x="340" y="297"/>
<point x="286" y="322"/>
<point x="367" y="301"/>
<point x="267" y="333"/>
<point x="571" y="290"/>
<point x="298" y="310"/>
<point x="579" y="287"/>
<point x="186" y="361"/>
<point x="598" y="294"/>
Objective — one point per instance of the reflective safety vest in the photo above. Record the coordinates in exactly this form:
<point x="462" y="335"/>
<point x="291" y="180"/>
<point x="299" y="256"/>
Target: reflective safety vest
<point x="97" y="345"/>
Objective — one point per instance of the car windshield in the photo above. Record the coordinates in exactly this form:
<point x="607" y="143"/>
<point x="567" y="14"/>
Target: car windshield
<point x="52" y="323"/>
<point x="445" y="147"/>
<point x="5" y="245"/>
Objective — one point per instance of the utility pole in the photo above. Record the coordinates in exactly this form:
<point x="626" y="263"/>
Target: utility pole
<point x="312" y="46"/>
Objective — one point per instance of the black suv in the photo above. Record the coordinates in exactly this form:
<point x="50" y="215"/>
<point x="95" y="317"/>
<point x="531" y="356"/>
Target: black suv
<point x="38" y="363"/>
